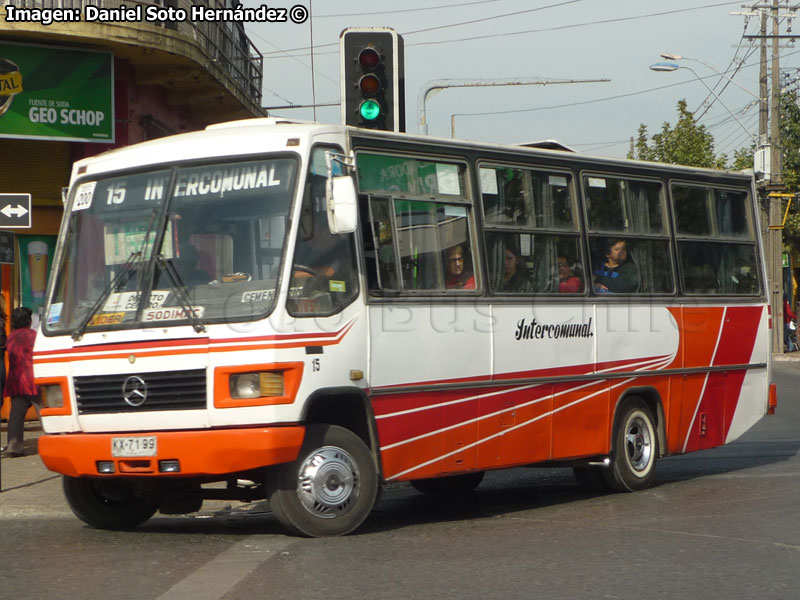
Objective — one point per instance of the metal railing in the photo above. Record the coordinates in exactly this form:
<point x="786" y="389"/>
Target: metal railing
<point x="224" y="43"/>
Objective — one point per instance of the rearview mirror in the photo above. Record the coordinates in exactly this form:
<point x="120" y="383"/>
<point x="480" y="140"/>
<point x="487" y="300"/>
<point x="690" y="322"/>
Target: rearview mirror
<point x="341" y="202"/>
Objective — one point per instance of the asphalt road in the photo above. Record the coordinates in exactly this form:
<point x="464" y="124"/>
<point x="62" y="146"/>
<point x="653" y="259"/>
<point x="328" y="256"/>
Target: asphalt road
<point x="723" y="523"/>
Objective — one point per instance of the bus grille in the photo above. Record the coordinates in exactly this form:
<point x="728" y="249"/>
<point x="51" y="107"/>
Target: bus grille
<point x="168" y="390"/>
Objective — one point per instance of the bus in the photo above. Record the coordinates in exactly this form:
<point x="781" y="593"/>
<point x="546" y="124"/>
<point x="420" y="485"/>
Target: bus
<point x="302" y="313"/>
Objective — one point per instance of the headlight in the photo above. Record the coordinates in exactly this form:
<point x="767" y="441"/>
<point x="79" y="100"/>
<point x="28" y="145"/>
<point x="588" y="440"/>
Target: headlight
<point x="257" y="385"/>
<point x="52" y="396"/>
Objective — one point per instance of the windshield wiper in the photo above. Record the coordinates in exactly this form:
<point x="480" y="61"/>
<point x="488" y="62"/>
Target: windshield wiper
<point x="114" y="284"/>
<point x="180" y="293"/>
<point x="118" y="281"/>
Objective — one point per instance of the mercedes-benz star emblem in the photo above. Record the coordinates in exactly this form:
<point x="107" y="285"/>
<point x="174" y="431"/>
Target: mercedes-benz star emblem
<point x="134" y="391"/>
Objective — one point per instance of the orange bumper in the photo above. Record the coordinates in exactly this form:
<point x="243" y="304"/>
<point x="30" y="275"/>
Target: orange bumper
<point x="206" y="452"/>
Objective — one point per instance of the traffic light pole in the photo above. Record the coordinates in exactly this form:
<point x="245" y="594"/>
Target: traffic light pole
<point x="433" y="87"/>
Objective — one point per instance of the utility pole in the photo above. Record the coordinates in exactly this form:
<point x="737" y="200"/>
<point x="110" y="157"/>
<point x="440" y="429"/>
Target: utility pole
<point x="774" y="260"/>
<point x="770" y="190"/>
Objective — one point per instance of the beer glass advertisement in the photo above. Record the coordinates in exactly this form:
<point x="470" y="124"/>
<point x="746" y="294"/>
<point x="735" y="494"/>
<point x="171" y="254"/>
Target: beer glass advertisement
<point x="56" y="93"/>
<point x="35" y="259"/>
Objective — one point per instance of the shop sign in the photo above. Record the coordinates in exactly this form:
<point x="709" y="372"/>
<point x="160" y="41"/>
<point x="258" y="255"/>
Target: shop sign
<point x="56" y="93"/>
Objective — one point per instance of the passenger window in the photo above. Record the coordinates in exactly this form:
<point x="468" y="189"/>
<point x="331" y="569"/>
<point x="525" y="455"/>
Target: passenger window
<point x="621" y="205"/>
<point x="718" y="268"/>
<point x="382" y="267"/>
<point x="526" y="263"/>
<point x="433" y="246"/>
<point x="630" y="266"/>
<point x="723" y="262"/>
<point x="731" y="214"/>
<point x="691" y="210"/>
<point x="418" y="236"/>
<point x="526" y="198"/>
<point x="506" y="196"/>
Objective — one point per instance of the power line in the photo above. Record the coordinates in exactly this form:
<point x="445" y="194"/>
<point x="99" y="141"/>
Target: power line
<point x="405" y="10"/>
<point x="484" y="19"/>
<point x="542" y="30"/>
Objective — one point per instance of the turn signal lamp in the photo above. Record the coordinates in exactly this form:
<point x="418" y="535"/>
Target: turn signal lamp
<point x="53" y="396"/>
<point x="257" y="385"/>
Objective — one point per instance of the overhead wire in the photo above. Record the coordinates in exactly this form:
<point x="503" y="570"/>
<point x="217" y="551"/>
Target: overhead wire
<point x="406" y="10"/>
<point x="542" y="30"/>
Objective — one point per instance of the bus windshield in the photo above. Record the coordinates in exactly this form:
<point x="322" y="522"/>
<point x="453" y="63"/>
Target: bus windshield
<point x="202" y="243"/>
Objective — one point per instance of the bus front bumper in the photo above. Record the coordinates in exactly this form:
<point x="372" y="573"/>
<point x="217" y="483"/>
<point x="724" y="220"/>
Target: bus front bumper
<point x="171" y="453"/>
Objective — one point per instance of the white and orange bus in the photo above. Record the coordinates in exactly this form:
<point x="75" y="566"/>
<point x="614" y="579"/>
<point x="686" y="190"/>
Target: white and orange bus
<point x="304" y="312"/>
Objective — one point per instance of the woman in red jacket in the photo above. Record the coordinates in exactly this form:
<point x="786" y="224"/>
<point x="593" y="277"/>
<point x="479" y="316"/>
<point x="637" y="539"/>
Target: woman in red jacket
<point x="19" y="382"/>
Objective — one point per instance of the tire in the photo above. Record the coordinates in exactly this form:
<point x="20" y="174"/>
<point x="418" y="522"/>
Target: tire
<point x="457" y="484"/>
<point x="591" y="479"/>
<point x="330" y="489"/>
<point x="109" y="503"/>
<point x="634" y="449"/>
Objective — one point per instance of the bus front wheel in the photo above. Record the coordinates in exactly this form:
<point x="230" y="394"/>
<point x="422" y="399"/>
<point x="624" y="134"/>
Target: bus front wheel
<point x="330" y="489"/>
<point x="634" y="449"/>
<point x="109" y="503"/>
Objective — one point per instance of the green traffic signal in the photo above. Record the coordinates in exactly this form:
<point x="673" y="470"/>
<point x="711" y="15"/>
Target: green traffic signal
<point x="370" y="110"/>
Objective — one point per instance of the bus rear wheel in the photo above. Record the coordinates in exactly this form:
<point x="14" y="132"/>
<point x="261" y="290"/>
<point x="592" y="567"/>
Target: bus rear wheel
<point x="330" y="489"/>
<point x="634" y="449"/>
<point x="109" y="503"/>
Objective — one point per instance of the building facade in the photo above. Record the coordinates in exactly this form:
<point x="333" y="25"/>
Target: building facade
<point x="80" y="77"/>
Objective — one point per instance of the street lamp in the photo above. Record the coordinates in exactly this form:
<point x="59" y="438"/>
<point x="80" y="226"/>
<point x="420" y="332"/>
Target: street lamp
<point x="667" y="67"/>
<point x="676" y="57"/>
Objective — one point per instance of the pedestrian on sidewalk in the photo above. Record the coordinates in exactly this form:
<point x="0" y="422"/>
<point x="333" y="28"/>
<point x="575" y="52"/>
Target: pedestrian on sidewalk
<point x="2" y="349"/>
<point x="789" y="319"/>
<point x="19" y="383"/>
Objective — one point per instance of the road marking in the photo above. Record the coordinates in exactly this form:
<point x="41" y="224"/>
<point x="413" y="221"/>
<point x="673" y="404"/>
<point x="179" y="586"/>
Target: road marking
<point x="236" y="563"/>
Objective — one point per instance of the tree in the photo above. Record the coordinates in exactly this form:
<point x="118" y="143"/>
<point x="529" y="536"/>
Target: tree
<point x="790" y="146"/>
<point x="686" y="144"/>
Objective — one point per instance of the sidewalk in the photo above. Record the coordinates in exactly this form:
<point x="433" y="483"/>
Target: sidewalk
<point x="26" y="486"/>
<point x="787" y="357"/>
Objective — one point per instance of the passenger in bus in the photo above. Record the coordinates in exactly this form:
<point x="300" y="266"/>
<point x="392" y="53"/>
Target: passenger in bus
<point x="568" y="282"/>
<point x="616" y="274"/>
<point x="188" y="266"/>
<point x="324" y="254"/>
<point x="457" y="276"/>
<point x="516" y="278"/>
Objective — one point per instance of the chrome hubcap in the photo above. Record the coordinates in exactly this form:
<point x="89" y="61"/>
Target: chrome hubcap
<point x="639" y="444"/>
<point x="328" y="482"/>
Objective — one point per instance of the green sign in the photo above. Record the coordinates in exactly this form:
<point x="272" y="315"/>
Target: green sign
<point x="56" y="93"/>
<point x="379" y="173"/>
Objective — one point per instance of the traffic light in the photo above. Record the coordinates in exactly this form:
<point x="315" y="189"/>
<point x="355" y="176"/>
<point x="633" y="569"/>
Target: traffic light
<point x="372" y="80"/>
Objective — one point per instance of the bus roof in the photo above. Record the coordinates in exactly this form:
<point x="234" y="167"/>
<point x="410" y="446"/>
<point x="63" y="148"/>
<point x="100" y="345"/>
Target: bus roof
<point x="270" y="134"/>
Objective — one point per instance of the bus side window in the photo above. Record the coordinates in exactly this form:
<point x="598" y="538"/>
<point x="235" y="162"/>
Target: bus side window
<point x="379" y="245"/>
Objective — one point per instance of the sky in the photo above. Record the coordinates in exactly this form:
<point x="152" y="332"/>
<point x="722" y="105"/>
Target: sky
<point x="545" y="39"/>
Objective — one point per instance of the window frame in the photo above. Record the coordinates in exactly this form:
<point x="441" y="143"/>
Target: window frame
<point x="716" y="239"/>
<point x="575" y="232"/>
<point x="630" y="234"/>
<point x="465" y="200"/>
<point x="290" y="259"/>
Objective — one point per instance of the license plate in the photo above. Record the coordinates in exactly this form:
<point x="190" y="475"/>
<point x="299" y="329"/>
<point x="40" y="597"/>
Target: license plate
<point x="134" y="446"/>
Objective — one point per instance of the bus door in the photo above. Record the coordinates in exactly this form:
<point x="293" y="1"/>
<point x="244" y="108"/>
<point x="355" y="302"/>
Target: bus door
<point x="430" y="340"/>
